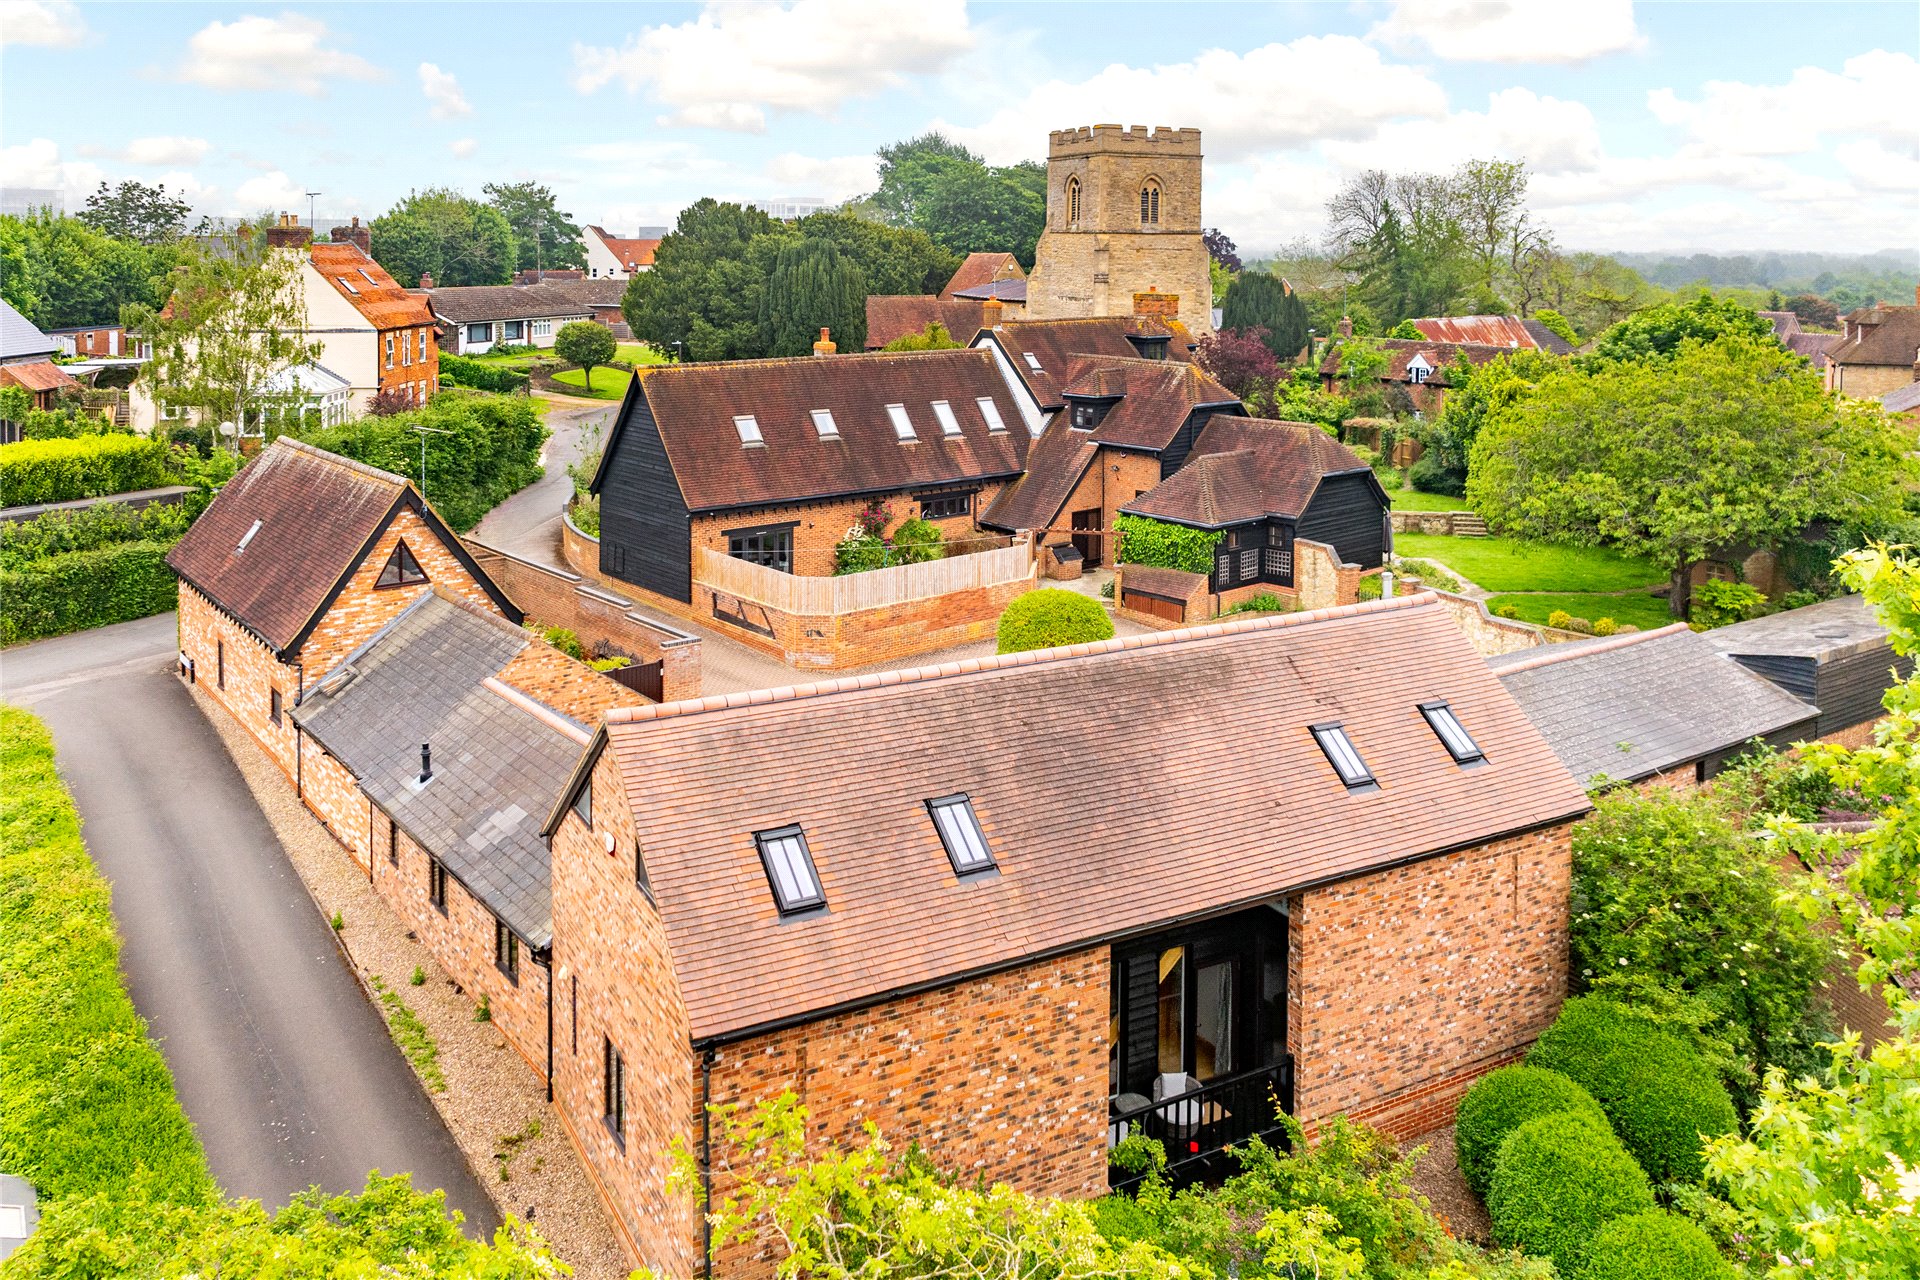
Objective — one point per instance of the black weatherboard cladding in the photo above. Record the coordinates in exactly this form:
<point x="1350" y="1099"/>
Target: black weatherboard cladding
<point x="1848" y="689"/>
<point x="1346" y="512"/>
<point x="646" y="536"/>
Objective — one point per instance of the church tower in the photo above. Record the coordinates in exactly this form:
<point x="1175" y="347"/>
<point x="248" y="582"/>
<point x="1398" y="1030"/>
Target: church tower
<point x="1123" y="225"/>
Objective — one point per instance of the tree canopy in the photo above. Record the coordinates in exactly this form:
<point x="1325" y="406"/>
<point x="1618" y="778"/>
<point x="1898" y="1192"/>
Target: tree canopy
<point x="135" y="211"/>
<point x="704" y="288"/>
<point x="1727" y="443"/>
<point x="585" y="343"/>
<point x="459" y="240"/>
<point x="59" y="271"/>
<point x="934" y="184"/>
<point x="1261" y="300"/>
<point x="1659" y="331"/>
<point x="544" y="238"/>
<point x="812" y="286"/>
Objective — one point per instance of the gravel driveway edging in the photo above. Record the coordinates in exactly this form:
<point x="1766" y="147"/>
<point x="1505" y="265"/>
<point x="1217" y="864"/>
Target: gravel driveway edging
<point x="494" y="1105"/>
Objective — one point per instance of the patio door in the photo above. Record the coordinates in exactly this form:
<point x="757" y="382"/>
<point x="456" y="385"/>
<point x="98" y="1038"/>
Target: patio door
<point x="1087" y="537"/>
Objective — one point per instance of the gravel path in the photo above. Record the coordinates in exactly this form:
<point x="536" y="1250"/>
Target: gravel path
<point x="1437" y="1177"/>
<point x="492" y="1095"/>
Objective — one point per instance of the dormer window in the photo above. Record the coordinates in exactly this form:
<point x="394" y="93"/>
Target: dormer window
<point x="943" y="413"/>
<point x="1418" y="370"/>
<point x="790" y="870"/>
<point x="991" y="412"/>
<point x="902" y="424"/>
<point x="960" y="832"/>
<point x="1085" y="417"/>
<point x="1452" y="734"/>
<point x="749" y="428"/>
<point x="401" y="569"/>
<point x="1346" y="761"/>
<point x="1033" y="361"/>
<point x="1150" y="203"/>
<point x="824" y="424"/>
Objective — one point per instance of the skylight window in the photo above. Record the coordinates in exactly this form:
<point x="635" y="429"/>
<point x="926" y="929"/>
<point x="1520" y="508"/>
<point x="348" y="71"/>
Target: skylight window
<point x="1346" y="761"/>
<point x="1033" y="361"/>
<point x="960" y="832"/>
<point x="796" y="885"/>
<point x="943" y="411"/>
<point x="991" y="412"/>
<point x="347" y="285"/>
<point x="247" y="537"/>
<point x="1452" y="734"/>
<point x="902" y="424"/>
<point x="823" y="423"/>
<point x="749" y="428"/>
<point x="369" y="275"/>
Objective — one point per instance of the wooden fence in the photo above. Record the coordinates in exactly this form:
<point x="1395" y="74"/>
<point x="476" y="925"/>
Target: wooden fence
<point x="853" y="592"/>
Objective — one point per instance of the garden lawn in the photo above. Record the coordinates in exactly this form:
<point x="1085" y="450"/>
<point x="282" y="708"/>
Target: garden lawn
<point x="1645" y="612"/>
<point x="1507" y="564"/>
<point x="1414" y="500"/>
<point x="608" y="384"/>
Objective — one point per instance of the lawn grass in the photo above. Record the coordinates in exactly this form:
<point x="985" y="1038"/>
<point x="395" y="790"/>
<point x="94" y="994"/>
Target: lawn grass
<point x="1507" y="564"/>
<point x="1645" y="612"/>
<point x="608" y="384"/>
<point x="1415" y="500"/>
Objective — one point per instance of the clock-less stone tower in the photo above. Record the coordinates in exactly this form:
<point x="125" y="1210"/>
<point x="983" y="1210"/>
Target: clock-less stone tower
<point x="1123" y="225"/>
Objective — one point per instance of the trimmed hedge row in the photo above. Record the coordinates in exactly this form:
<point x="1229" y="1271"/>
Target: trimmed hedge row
<point x="1560" y="1178"/>
<point x="1500" y="1102"/>
<point x="464" y="371"/>
<point x="1050" y="617"/>
<point x="86" y="1101"/>
<point x="36" y="471"/>
<point x="85" y="589"/>
<point x="25" y="542"/>
<point x="1655" y="1245"/>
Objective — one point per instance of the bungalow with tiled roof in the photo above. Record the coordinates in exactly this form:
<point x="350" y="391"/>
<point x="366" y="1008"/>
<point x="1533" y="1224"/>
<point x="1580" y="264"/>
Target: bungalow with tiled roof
<point x="611" y="257"/>
<point x="473" y="319"/>
<point x="1416" y="368"/>
<point x="1363" y="922"/>
<point x="1878" y="351"/>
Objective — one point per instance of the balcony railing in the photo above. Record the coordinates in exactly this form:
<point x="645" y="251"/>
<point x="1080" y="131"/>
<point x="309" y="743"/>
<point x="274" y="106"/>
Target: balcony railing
<point x="1196" y="1128"/>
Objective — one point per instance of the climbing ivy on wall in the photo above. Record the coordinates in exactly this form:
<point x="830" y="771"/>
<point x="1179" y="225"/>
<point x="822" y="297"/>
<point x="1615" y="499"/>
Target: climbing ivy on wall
<point x="1165" y="545"/>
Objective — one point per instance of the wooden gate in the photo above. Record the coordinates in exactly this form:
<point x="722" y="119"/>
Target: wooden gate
<point x="646" y="679"/>
<point x="1154" y="606"/>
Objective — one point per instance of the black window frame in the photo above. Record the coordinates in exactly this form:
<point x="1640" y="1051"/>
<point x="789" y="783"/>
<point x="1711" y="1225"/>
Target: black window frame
<point x="273" y="704"/>
<point x="583" y="802"/>
<point x="506" y="951"/>
<point x="1435" y="707"/>
<point x="613" y="1091"/>
<point x="485" y="335"/>
<point x="1326" y="732"/>
<point x="398" y="562"/>
<point x="437" y="884"/>
<point x="941" y="506"/>
<point x="762" y="841"/>
<point x="393" y="842"/>
<point x="962" y="801"/>
<point x="220" y="664"/>
<point x="780" y="561"/>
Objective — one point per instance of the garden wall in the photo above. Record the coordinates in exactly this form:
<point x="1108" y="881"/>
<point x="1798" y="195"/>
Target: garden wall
<point x="1452" y="523"/>
<point x="1491" y="636"/>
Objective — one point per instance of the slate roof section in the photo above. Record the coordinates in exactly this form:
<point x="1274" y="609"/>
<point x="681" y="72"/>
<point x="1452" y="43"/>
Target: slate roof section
<point x="982" y="269"/>
<point x="1245" y="469"/>
<point x="1193" y="831"/>
<point x="1629" y="707"/>
<point x="1003" y="290"/>
<point x="20" y="339"/>
<point x="1054" y="344"/>
<point x="1879" y="335"/>
<point x="1836" y="628"/>
<point x="496" y="766"/>
<point x="1903" y="399"/>
<point x="894" y="316"/>
<point x="1055" y="463"/>
<point x="476" y="304"/>
<point x="1155" y="397"/>
<point x="694" y="406"/>
<point x="374" y="294"/>
<point x="1401" y="351"/>
<point x="1512" y="332"/>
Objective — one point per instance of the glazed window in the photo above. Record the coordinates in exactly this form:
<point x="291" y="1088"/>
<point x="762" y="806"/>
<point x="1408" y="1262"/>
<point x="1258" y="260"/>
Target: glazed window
<point x="1345" y="759"/>
<point x="1452" y="734"/>
<point x="401" y="569"/>
<point x="1150" y="203"/>
<point x="790" y="870"/>
<point x="506" y="951"/>
<point x="1073" y="200"/>
<point x="960" y="832"/>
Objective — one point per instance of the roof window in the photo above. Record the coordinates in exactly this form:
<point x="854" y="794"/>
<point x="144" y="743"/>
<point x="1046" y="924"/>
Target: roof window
<point x="949" y="424"/>
<point x="247" y="537"/>
<point x="960" y="832"/>
<point x="796" y="885"/>
<point x="1452" y="734"/>
<point x="902" y="424"/>
<point x="369" y="275"/>
<point x="1346" y="761"/>
<point x="347" y="285"/>
<point x="1033" y="361"/>
<point x="823" y="423"/>
<point x="991" y="412"/>
<point x="749" y="428"/>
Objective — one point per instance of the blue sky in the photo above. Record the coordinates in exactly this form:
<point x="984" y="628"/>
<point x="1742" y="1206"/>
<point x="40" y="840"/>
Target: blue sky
<point x="1648" y="126"/>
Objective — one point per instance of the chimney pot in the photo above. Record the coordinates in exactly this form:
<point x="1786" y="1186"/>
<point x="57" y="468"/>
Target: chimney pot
<point x="426" y="279"/>
<point x="825" y="346"/>
<point x="1345" y="327"/>
<point x="991" y="312"/>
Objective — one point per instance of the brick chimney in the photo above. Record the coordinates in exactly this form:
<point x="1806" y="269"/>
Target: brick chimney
<point x="1156" y="305"/>
<point x="990" y="313"/>
<point x="355" y="234"/>
<point x="287" y="233"/>
<point x="1345" y="327"/>
<point x="824" y="347"/>
<point x="426" y="279"/>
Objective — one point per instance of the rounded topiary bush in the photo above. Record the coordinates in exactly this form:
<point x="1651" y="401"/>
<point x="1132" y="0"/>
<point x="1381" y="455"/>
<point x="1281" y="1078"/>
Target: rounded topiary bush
<point x="1659" y="1094"/>
<point x="1050" y="617"/>
<point x="1655" y="1245"/>
<point x="1500" y="1102"/>
<point x="1557" y="1180"/>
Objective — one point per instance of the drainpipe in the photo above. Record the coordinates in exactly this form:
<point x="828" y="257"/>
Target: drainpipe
<point x="370" y="840"/>
<point x="547" y="964"/>
<point x="299" y="758"/>
<point x="706" y="1162"/>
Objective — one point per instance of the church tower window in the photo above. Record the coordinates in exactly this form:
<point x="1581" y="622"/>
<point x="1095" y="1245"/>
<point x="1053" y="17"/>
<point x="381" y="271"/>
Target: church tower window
<point x="1073" y="200"/>
<point x="1150" y="203"/>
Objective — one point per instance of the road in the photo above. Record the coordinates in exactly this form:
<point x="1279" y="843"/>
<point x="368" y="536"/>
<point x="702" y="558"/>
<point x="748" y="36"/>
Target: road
<point x="285" y="1069"/>
<point x="528" y="523"/>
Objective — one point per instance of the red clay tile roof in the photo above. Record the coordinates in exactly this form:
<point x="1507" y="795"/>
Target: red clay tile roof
<point x="472" y="304"/>
<point x="37" y="375"/>
<point x="1156" y="397"/>
<point x="983" y="268"/>
<point x="1183" y="824"/>
<point x="1785" y="323"/>
<point x="630" y="252"/>
<point x="374" y="293"/>
<point x="1401" y="351"/>
<point x="892" y="316"/>
<point x="1054" y="343"/>
<point x="1814" y="346"/>
<point x="1055" y="463"/>
<point x="1245" y="469"/>
<point x="1512" y="332"/>
<point x="1879" y="335"/>
<point x="1158" y="581"/>
<point x="694" y="406"/>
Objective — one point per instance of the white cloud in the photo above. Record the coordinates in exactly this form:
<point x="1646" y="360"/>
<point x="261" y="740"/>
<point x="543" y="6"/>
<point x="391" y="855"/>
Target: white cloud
<point x="735" y="63"/>
<point x="1551" y="134"/>
<point x="38" y="164"/>
<point x="1876" y="168"/>
<point x="443" y="91"/>
<point x="270" y="191"/>
<point x="287" y="54"/>
<point x="1274" y="96"/>
<point x="832" y="177"/>
<point x="1871" y="94"/>
<point x="1511" y="30"/>
<point x="463" y="147"/>
<point x="54" y="23"/>
<point x="172" y="149"/>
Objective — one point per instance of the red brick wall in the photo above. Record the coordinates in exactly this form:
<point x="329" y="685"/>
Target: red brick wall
<point x="610" y="958"/>
<point x="335" y="798"/>
<point x="419" y="379"/>
<point x="1407" y="984"/>
<point x="819" y="526"/>
<point x="252" y="673"/>
<point x="565" y="684"/>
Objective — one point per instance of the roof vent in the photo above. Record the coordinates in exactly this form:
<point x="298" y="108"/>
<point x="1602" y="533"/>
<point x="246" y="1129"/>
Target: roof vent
<point x="247" y="537"/>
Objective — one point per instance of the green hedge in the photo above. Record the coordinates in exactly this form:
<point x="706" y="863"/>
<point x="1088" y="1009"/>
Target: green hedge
<point x="1500" y="1102"/>
<point x="1051" y="617"/>
<point x="84" y="589"/>
<point x="23" y="542"/>
<point x="1558" y="1179"/>
<point x="86" y="1101"/>
<point x="464" y="371"/>
<point x="35" y="471"/>
<point x="1165" y="545"/>
<point x="1655" y="1245"/>
<point x="1660" y="1094"/>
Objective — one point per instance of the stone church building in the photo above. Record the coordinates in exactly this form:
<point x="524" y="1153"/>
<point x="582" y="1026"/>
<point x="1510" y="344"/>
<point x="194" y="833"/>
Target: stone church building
<point x="1123" y="223"/>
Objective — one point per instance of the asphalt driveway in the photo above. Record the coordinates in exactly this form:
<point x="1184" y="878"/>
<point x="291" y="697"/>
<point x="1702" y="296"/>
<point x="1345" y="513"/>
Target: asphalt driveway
<point x="286" y="1070"/>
